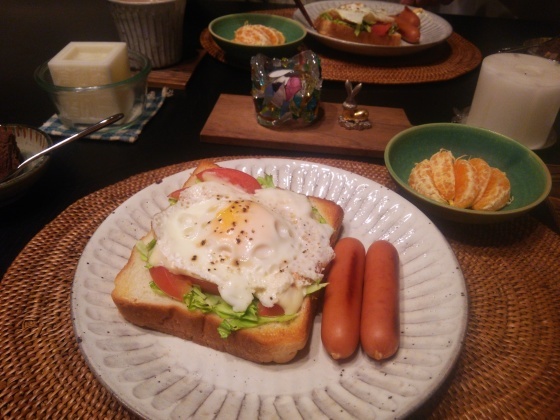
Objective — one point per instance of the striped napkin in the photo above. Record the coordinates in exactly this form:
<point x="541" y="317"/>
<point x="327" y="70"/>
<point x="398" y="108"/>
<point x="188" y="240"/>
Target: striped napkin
<point x="154" y="101"/>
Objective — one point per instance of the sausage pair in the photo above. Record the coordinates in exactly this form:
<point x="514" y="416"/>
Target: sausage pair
<point x="409" y="25"/>
<point x="362" y="300"/>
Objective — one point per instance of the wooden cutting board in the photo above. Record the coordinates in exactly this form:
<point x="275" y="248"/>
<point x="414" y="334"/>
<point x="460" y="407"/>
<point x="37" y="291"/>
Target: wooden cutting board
<point x="233" y="121"/>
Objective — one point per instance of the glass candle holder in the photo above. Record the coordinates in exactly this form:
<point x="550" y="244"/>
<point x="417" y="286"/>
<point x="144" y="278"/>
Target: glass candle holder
<point x="286" y="91"/>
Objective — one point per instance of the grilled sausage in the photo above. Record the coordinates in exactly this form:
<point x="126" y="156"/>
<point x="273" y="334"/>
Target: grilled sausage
<point x="379" y="330"/>
<point x="340" y="327"/>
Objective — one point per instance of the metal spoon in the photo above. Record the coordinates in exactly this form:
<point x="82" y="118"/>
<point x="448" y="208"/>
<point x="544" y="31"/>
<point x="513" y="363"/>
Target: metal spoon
<point x="87" y="131"/>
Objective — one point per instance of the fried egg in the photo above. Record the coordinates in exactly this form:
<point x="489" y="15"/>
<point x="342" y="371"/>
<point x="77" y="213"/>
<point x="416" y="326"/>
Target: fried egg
<point x="249" y="245"/>
<point x="357" y="13"/>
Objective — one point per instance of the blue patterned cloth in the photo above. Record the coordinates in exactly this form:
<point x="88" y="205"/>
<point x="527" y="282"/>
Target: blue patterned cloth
<point x="130" y="134"/>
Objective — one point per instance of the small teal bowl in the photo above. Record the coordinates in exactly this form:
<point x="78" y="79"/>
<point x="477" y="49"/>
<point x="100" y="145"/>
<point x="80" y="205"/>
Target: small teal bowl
<point x="223" y="29"/>
<point x="529" y="177"/>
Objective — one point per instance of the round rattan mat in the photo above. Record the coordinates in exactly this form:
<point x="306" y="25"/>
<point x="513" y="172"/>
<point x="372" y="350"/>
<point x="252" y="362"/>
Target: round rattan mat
<point x="445" y="61"/>
<point x="509" y="367"/>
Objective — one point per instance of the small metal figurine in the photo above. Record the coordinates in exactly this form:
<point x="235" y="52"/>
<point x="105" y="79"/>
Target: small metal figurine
<point x="352" y="117"/>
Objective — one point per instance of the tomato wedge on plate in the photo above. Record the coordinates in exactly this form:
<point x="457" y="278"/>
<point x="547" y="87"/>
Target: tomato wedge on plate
<point x="178" y="285"/>
<point x="380" y="29"/>
<point x="275" y="310"/>
<point x="232" y="176"/>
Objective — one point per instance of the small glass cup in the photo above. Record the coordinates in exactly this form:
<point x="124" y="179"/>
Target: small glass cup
<point x="286" y="91"/>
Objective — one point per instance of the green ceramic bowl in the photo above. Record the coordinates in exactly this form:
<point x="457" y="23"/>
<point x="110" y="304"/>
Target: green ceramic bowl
<point x="529" y="177"/>
<point x="223" y="29"/>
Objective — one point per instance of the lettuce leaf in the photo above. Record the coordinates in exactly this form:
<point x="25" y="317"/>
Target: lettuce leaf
<point x="315" y="287"/>
<point x="266" y="181"/>
<point x="232" y="320"/>
<point x="318" y="216"/>
<point x="145" y="251"/>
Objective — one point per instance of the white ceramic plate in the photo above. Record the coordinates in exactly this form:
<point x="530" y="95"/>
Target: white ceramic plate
<point x="159" y="376"/>
<point x="433" y="30"/>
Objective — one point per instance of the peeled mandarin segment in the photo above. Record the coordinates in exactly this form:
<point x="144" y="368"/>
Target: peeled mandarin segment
<point x="497" y="193"/>
<point x="443" y="173"/>
<point x="466" y="187"/>
<point x="254" y="35"/>
<point x="277" y="36"/>
<point x="483" y="172"/>
<point x="271" y="33"/>
<point x="420" y="180"/>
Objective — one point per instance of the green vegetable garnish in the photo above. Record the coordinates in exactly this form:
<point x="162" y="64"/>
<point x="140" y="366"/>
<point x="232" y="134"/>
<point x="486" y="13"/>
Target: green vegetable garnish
<point x="317" y="216"/>
<point x="146" y="250"/>
<point x="315" y="287"/>
<point x="266" y="181"/>
<point x="155" y="288"/>
<point x="232" y="321"/>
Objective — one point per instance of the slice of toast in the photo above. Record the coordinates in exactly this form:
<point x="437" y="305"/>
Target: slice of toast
<point x="346" y="33"/>
<point x="277" y="342"/>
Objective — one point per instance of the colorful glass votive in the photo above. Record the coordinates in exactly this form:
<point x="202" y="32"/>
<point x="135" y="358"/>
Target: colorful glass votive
<point x="286" y="91"/>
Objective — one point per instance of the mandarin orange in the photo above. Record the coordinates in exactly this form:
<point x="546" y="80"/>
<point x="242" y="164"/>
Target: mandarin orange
<point x="443" y="174"/>
<point x="497" y="192"/>
<point x="476" y="185"/>
<point x="466" y="186"/>
<point x="420" y="179"/>
<point x="483" y="172"/>
<point x="258" y="35"/>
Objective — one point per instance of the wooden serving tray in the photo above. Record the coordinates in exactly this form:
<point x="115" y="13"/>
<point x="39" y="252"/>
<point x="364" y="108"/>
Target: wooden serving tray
<point x="233" y="121"/>
<point x="177" y="76"/>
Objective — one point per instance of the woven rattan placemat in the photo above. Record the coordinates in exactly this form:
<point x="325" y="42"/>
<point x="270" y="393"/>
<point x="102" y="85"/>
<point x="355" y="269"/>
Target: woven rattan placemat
<point x="509" y="367"/>
<point x="445" y="61"/>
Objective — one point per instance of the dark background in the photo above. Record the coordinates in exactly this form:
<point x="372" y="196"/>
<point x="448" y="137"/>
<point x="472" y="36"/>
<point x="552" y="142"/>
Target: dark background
<point x="33" y="31"/>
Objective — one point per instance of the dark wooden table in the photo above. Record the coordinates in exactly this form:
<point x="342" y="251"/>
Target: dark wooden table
<point x="32" y="31"/>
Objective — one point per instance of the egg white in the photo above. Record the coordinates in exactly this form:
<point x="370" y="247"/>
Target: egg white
<point x="249" y="245"/>
<point x="357" y="13"/>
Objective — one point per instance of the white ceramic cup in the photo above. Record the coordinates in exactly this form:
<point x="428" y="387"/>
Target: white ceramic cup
<point x="151" y="27"/>
<point x="517" y="95"/>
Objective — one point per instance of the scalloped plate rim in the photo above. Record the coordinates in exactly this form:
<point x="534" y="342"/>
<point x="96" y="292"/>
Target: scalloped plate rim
<point x="104" y="374"/>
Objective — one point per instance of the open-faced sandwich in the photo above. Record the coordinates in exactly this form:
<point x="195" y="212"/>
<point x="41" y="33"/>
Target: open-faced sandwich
<point x="356" y="22"/>
<point x="233" y="264"/>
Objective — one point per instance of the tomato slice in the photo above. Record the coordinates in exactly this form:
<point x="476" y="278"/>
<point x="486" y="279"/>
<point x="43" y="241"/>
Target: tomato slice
<point x="175" y="194"/>
<point x="173" y="285"/>
<point x="231" y="176"/>
<point x="275" y="310"/>
<point x="177" y="285"/>
<point x="380" y="29"/>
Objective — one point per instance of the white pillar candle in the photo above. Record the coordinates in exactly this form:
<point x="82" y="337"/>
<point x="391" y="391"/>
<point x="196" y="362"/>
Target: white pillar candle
<point x="517" y="95"/>
<point x="85" y="64"/>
